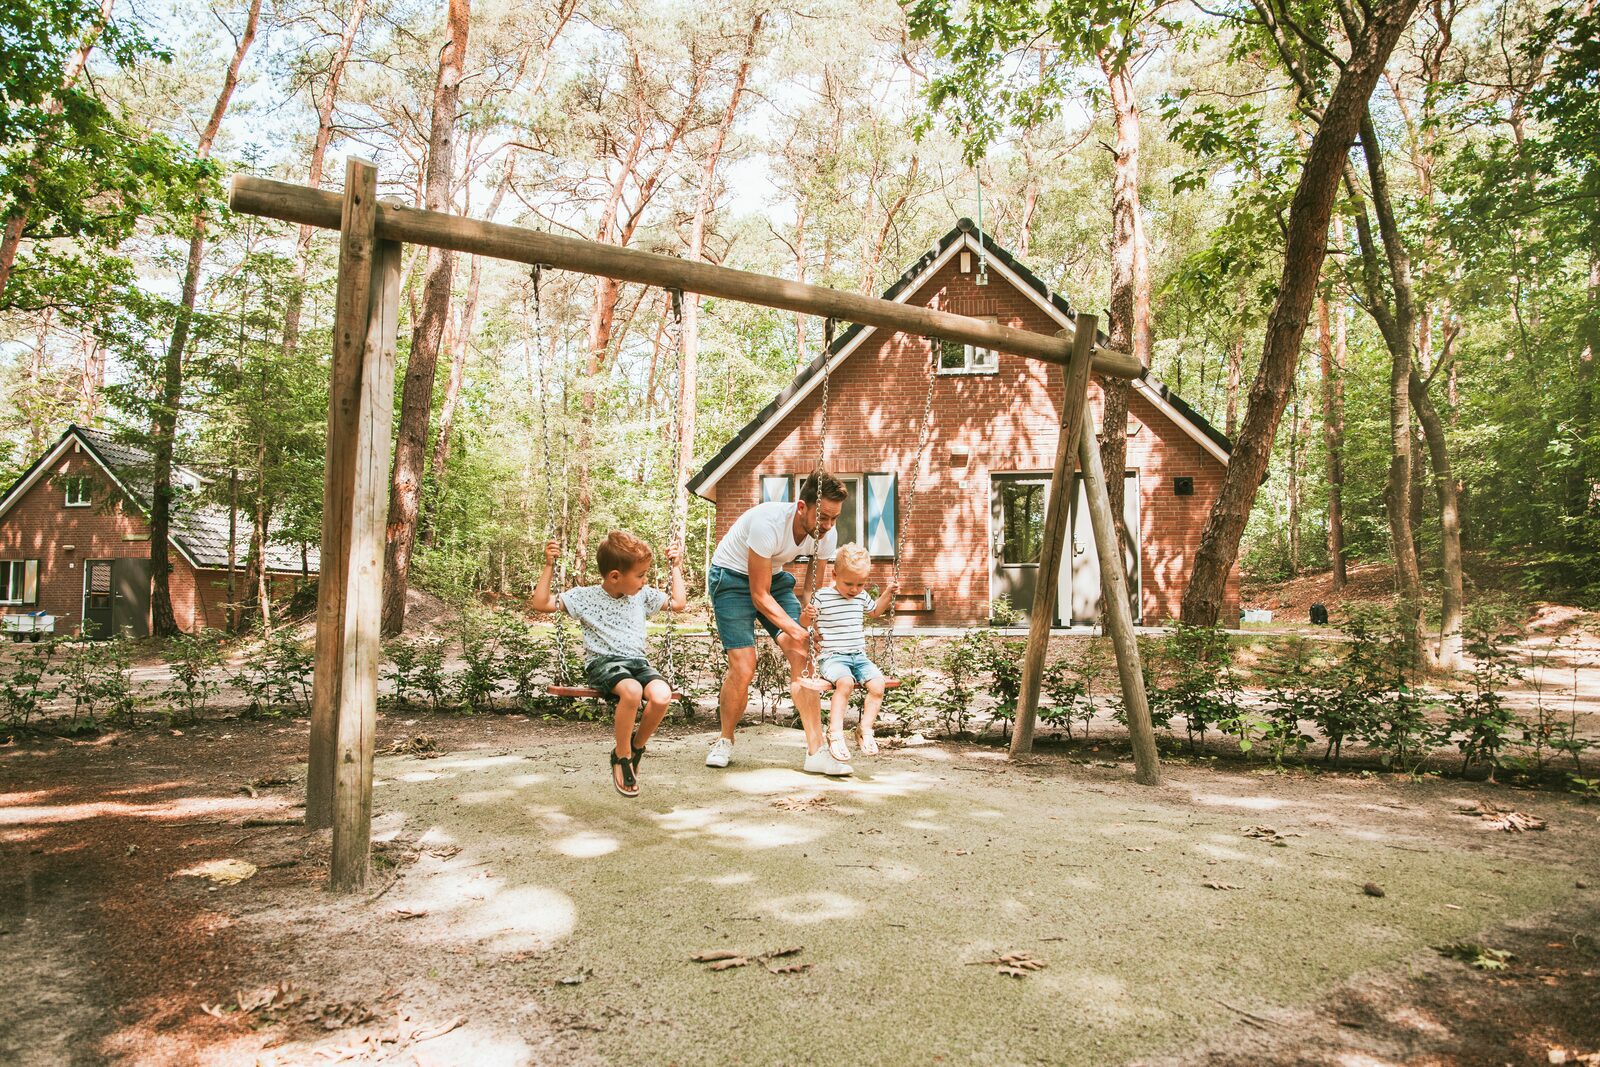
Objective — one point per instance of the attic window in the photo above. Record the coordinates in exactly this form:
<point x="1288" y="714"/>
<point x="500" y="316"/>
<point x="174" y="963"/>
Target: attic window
<point x="79" y="490"/>
<point x="957" y="358"/>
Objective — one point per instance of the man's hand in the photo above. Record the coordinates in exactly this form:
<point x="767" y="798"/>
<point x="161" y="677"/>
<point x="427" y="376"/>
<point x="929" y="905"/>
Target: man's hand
<point x="552" y="550"/>
<point x="808" y="617"/>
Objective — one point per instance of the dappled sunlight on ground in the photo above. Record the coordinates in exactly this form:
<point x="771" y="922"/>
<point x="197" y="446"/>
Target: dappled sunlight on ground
<point x="1247" y="803"/>
<point x="182" y="808"/>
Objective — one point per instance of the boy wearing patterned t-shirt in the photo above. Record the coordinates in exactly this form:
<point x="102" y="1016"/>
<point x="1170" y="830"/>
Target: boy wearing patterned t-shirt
<point x="612" y="615"/>
<point x="840" y="607"/>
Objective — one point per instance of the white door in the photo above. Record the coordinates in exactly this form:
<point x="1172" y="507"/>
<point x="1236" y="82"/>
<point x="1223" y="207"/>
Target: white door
<point x="1081" y="582"/>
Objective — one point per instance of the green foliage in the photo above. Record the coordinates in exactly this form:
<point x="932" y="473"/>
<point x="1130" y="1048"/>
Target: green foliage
<point x="275" y="674"/>
<point x="962" y="663"/>
<point x="476" y="683"/>
<point x="1200" y="684"/>
<point x="1480" y="723"/>
<point x="1003" y="613"/>
<point x="195" y="662"/>
<point x="24" y="689"/>
<point x="1003" y="661"/>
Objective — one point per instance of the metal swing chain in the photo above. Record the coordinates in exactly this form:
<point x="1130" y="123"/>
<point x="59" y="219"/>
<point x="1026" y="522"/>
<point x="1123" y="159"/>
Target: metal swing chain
<point x="903" y="520"/>
<point x="564" y="659"/>
<point x="677" y="444"/>
<point x="812" y="637"/>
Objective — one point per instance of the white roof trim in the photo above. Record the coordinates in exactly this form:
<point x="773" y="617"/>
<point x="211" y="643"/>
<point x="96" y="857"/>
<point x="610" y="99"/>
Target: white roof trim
<point x="1142" y="387"/>
<point x="844" y="353"/>
<point x="43" y="469"/>
<point x="1043" y="301"/>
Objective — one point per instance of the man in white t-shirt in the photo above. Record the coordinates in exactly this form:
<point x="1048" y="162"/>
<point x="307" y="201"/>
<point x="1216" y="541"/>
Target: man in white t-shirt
<point x="748" y="585"/>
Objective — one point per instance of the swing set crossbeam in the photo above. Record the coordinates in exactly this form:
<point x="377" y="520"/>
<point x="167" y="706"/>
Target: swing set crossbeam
<point x="306" y="206"/>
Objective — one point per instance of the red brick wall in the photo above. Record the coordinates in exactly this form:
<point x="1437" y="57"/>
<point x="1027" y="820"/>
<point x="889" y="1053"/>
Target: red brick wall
<point x="1007" y="422"/>
<point x="40" y="526"/>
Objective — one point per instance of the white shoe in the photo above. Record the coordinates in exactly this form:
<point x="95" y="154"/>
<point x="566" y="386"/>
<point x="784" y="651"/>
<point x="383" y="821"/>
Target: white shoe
<point x="721" y="753"/>
<point x="822" y="762"/>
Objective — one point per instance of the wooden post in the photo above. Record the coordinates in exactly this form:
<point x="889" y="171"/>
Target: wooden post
<point x="358" y="678"/>
<point x="1119" y="616"/>
<point x="349" y="338"/>
<point x="1074" y="405"/>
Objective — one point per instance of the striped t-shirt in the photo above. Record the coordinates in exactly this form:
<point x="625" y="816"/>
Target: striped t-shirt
<point x="839" y="619"/>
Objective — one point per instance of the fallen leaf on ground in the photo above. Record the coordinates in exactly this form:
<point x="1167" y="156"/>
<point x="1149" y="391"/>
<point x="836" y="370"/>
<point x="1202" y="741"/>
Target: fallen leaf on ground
<point x="817" y="802"/>
<point x="1013" y="964"/>
<point x="269" y="998"/>
<point x="417" y="745"/>
<point x="790" y="968"/>
<point x="729" y="963"/>
<point x="715" y="954"/>
<point x="1373" y="889"/>
<point x="222" y="872"/>
<point x="407" y="913"/>
<point x="1221" y="885"/>
<point x="1477" y="956"/>
<point x="583" y="975"/>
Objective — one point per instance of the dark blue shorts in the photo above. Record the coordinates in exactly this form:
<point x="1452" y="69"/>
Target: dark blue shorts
<point x="604" y="672"/>
<point x="736" y="612"/>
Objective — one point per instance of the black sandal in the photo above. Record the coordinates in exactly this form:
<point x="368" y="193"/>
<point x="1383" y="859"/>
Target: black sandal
<point x="629" y="786"/>
<point x="638" y="750"/>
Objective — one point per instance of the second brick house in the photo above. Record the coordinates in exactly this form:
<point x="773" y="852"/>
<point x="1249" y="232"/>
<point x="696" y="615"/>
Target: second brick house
<point x="75" y="543"/>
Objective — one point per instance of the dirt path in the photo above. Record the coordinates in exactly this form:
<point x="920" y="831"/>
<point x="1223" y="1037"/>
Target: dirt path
<point x="1172" y="934"/>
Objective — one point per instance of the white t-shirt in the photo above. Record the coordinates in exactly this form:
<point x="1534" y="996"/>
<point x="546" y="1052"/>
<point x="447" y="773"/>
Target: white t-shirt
<point x="768" y="530"/>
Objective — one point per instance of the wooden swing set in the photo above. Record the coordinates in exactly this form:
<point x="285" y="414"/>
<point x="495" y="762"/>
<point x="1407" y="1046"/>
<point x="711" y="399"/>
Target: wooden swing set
<point x="361" y="410"/>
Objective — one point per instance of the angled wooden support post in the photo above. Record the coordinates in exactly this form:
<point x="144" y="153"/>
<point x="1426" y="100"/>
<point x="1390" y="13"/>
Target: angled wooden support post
<point x="1074" y="405"/>
<point x="352" y="299"/>
<point x="1119" y="615"/>
<point x="368" y="457"/>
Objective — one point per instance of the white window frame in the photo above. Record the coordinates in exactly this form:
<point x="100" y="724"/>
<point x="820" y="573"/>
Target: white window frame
<point x="15" y="592"/>
<point x="974" y="360"/>
<point x="79" y="490"/>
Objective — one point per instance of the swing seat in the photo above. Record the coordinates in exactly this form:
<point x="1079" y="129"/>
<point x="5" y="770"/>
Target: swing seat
<point x="822" y="685"/>
<point x="584" y="691"/>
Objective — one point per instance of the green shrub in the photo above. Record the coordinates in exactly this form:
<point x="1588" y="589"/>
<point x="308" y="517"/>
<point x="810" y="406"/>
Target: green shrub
<point x="479" y="677"/>
<point x="24" y="688"/>
<point x="962" y="663"/>
<point x="194" y="661"/>
<point x="1201" y="686"/>
<point x="1480" y="723"/>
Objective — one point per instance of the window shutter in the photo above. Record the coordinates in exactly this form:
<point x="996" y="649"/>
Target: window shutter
<point x="882" y="514"/>
<point x="30" y="582"/>
<point x="776" y="487"/>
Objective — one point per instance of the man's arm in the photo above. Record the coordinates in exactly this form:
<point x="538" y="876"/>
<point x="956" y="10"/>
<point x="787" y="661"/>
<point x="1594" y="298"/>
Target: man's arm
<point x="760" y="572"/>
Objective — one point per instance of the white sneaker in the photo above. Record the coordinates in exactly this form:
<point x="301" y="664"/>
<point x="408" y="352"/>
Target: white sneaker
<point x="721" y="753"/>
<point x="822" y="762"/>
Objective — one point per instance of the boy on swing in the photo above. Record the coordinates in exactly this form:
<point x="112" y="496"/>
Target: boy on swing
<point x="841" y="607"/>
<point x="612" y="615"/>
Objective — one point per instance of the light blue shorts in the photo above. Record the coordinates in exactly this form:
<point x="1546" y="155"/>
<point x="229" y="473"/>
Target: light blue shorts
<point x="850" y="665"/>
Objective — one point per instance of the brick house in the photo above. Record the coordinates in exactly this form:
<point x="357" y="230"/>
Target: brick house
<point x="981" y="490"/>
<point x="75" y="542"/>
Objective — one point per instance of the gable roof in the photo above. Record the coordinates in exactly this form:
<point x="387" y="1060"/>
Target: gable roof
<point x="964" y="234"/>
<point x="200" y="534"/>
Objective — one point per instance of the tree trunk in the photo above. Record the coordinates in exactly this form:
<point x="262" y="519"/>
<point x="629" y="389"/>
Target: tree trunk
<point x="319" y="150"/>
<point x="1448" y="492"/>
<point x="416" y="403"/>
<point x="162" y="621"/>
<point x="461" y="345"/>
<point x="1296" y="433"/>
<point x="689" y="341"/>
<point x="1331" y="347"/>
<point x="1130" y="285"/>
<point x="1305" y="246"/>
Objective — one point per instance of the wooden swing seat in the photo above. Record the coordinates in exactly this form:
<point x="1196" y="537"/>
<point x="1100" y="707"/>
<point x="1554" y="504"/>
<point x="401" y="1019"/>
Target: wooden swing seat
<point x="582" y="691"/>
<point x="822" y="685"/>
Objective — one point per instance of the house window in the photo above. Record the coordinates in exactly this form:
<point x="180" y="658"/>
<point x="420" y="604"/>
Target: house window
<point x="19" y="581"/>
<point x="957" y="358"/>
<point x="869" y="516"/>
<point x="79" y="489"/>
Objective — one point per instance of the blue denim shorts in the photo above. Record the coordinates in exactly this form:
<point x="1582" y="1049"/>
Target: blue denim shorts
<point x="736" y="613"/>
<point x="853" y="664"/>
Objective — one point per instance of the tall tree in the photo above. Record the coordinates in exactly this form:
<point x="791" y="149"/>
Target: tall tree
<point x="1305" y="245"/>
<point x="416" y="404"/>
<point x="163" y="440"/>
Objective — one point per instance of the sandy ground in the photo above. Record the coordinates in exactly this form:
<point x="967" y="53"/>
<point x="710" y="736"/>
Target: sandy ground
<point x="508" y="865"/>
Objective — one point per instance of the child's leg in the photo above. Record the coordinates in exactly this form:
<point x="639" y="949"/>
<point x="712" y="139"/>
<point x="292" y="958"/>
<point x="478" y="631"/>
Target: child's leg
<point x="657" y="696"/>
<point x="840" y="705"/>
<point x="874" y="701"/>
<point x="629" y="693"/>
